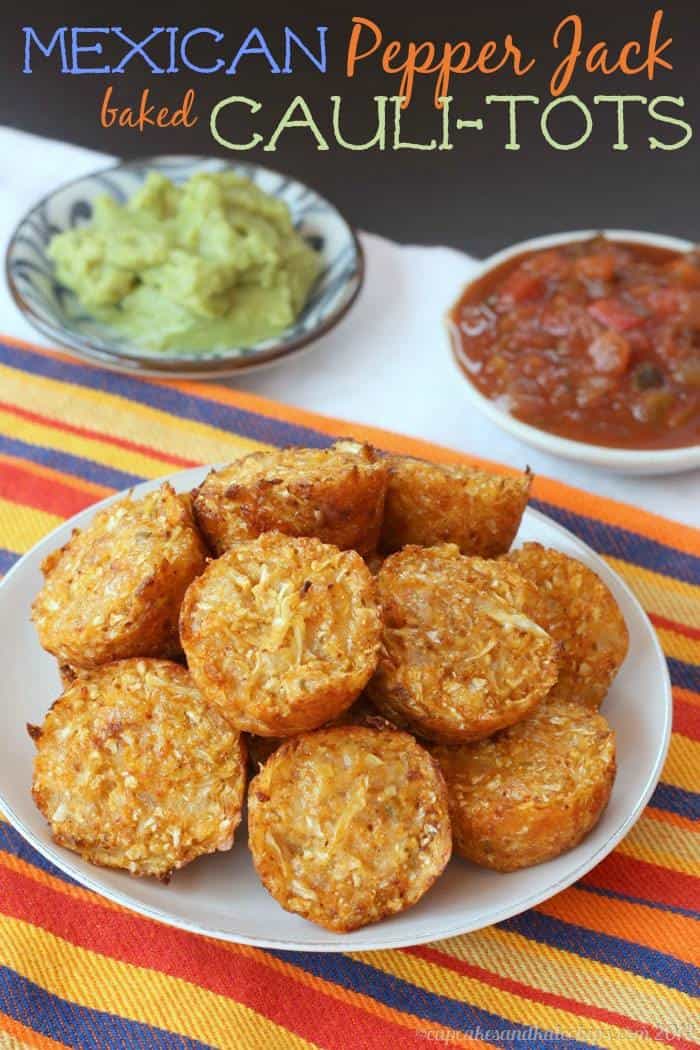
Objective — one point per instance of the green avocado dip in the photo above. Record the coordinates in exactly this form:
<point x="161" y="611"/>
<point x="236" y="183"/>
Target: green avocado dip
<point x="209" y="265"/>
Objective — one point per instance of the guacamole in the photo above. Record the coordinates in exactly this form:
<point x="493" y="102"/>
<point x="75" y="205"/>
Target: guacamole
<point x="211" y="264"/>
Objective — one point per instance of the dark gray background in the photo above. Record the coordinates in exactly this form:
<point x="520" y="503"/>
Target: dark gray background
<point x="478" y="197"/>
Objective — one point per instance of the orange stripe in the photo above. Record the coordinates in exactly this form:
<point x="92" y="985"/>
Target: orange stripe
<point x="385" y="439"/>
<point x="91" y="487"/>
<point x="683" y="537"/>
<point x="417" y="1025"/>
<point x="45" y="351"/>
<point x="432" y="954"/>
<point x="134" y="939"/>
<point x="688" y="696"/>
<point x="27" y="1035"/>
<point x="665" y="816"/>
<point x="637" y="923"/>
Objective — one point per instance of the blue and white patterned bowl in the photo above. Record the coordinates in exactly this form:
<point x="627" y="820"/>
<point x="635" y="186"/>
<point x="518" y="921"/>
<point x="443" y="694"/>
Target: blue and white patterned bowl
<point x="56" y="312"/>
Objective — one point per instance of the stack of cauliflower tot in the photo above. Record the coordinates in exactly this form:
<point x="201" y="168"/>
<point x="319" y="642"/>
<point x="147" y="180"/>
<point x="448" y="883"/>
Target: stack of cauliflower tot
<point x="354" y="630"/>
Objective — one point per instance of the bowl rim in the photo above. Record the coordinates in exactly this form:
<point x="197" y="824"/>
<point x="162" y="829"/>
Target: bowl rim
<point x="582" y="451"/>
<point x="170" y="367"/>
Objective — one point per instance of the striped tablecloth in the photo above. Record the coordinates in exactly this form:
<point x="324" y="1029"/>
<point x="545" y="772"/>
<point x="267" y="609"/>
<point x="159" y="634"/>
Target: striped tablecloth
<point x="611" y="961"/>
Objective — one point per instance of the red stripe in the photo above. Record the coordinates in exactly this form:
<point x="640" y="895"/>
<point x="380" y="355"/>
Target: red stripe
<point x="322" y="1019"/>
<point x="19" y="485"/>
<point x="558" y="1002"/>
<point x="618" y="515"/>
<point x="672" y="625"/>
<point x="110" y="439"/>
<point x="686" y="718"/>
<point x="639" y="878"/>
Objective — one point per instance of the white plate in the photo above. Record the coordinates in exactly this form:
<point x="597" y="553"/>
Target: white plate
<point x="221" y="896"/>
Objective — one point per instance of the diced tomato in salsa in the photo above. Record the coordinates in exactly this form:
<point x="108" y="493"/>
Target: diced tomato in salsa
<point x="610" y="352"/>
<point x="596" y="340"/>
<point x="520" y="286"/>
<point x="614" y="314"/>
<point x="665" y="302"/>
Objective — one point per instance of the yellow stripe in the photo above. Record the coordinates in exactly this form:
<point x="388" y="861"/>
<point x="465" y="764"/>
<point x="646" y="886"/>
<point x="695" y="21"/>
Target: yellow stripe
<point x="364" y="1002"/>
<point x="8" y="1042"/>
<point x="147" y="996"/>
<point x="659" y="594"/>
<point x="559" y="972"/>
<point x="110" y="414"/>
<point x="44" y="436"/>
<point x="665" y="844"/>
<point x="514" y="1008"/>
<point x="361" y="1000"/>
<point x="682" y="766"/>
<point x="679" y="646"/>
<point x="21" y="527"/>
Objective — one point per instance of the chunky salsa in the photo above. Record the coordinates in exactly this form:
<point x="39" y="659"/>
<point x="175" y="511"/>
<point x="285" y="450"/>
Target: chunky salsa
<point x="595" y="340"/>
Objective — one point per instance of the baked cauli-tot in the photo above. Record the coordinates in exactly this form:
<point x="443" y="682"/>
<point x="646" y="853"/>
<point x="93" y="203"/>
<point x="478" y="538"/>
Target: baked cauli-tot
<point x="459" y="658"/>
<point x="133" y="770"/>
<point x="115" y="589"/>
<point x="576" y="608"/>
<point x="349" y="824"/>
<point x="282" y="633"/>
<point x="335" y="494"/>
<point x="532" y="791"/>
<point x="430" y="503"/>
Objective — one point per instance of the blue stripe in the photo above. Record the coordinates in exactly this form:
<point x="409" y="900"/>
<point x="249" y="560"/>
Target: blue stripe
<point x="656" y="905"/>
<point x="412" y="999"/>
<point x="164" y="397"/>
<point x="12" y="842"/>
<point x="429" y="1006"/>
<point x="7" y="560"/>
<point x="613" y="951"/>
<point x="687" y="676"/>
<point x="676" y="800"/>
<point x="78" y="1026"/>
<point x="616" y="542"/>
<point x="608" y="539"/>
<point x="78" y="466"/>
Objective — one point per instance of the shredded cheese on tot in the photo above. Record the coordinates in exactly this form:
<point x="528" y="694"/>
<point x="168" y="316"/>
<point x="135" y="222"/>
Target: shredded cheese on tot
<point x="460" y="658"/>
<point x="575" y="607"/>
<point x="115" y="589"/>
<point x="349" y="824"/>
<point x="133" y="770"/>
<point x="282" y="633"/>
<point x="532" y="791"/>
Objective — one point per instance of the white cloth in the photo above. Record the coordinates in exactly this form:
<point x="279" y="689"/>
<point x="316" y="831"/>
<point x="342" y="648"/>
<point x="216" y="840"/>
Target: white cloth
<point x="387" y="363"/>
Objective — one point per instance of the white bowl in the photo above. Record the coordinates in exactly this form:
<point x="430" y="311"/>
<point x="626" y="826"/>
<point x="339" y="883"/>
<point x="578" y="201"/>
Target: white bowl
<point x="618" y="460"/>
